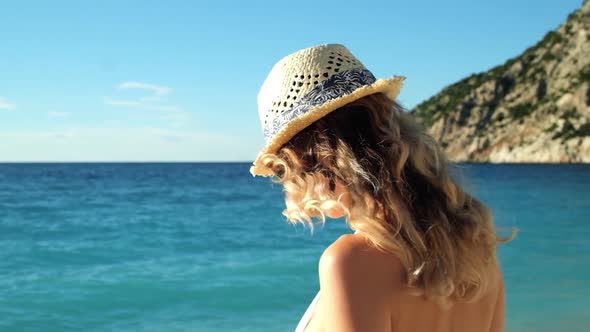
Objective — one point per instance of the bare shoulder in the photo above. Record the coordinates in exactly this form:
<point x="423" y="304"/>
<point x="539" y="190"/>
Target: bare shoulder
<point x="357" y="281"/>
<point x="356" y="258"/>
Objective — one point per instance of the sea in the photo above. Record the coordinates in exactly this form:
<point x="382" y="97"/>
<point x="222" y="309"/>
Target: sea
<point x="204" y="247"/>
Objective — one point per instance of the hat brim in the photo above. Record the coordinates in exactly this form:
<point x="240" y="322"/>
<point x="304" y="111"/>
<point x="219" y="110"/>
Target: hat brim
<point x="390" y="86"/>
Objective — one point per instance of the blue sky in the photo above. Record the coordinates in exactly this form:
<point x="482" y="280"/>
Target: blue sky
<point x="177" y="80"/>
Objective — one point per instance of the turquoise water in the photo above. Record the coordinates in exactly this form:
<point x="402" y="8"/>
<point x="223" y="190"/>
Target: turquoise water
<point x="203" y="247"/>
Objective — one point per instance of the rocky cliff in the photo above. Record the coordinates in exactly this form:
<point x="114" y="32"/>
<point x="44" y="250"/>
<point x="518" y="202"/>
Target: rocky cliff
<point x="533" y="108"/>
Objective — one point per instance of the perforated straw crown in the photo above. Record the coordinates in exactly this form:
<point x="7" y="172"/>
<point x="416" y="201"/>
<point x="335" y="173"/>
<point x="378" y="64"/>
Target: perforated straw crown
<point x="306" y="85"/>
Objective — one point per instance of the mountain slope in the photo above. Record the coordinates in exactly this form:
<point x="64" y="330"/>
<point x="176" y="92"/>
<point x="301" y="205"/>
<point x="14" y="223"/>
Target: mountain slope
<point x="533" y="108"/>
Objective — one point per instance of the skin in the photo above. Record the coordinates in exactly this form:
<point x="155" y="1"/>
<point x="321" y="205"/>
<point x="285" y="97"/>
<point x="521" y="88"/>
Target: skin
<point x="362" y="289"/>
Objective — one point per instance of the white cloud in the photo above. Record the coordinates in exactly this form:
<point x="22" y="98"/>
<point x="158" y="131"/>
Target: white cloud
<point x="158" y="90"/>
<point x="58" y="114"/>
<point x="6" y="104"/>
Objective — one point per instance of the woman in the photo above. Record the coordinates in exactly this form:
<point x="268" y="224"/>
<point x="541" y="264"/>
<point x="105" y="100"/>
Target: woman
<point x="422" y="256"/>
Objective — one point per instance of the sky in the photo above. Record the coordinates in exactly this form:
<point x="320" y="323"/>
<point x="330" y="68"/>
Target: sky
<point x="177" y="80"/>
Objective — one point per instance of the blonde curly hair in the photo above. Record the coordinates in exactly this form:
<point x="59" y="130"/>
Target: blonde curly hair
<point x="404" y="197"/>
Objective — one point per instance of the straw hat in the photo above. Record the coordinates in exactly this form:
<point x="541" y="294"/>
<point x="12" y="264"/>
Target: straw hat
<point x="308" y="84"/>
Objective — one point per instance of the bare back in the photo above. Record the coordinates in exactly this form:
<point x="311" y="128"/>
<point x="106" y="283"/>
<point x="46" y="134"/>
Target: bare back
<point x="413" y="313"/>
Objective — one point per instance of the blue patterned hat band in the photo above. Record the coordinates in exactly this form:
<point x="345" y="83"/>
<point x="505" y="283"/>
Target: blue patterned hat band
<point x="338" y="85"/>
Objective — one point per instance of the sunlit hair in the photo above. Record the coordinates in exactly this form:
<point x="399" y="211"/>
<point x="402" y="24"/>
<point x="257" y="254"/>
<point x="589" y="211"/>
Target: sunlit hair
<point x="404" y="198"/>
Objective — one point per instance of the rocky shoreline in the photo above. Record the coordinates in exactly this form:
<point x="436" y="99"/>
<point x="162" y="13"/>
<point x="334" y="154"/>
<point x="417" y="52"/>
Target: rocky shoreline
<point x="535" y="108"/>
